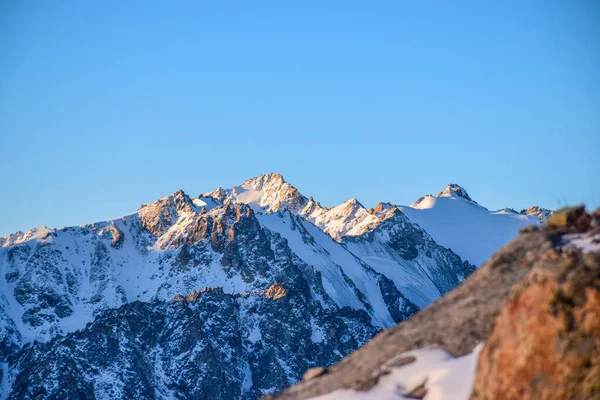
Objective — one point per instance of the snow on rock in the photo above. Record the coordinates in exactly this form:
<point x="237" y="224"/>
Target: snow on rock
<point x="56" y="281"/>
<point x="429" y="371"/>
<point x="453" y="218"/>
<point x="268" y="192"/>
<point x="455" y="221"/>
<point x="350" y="218"/>
<point x="344" y="278"/>
<point x="208" y="203"/>
<point x="586" y="242"/>
<point x="541" y="213"/>
<point x="40" y="233"/>
<point x="454" y="190"/>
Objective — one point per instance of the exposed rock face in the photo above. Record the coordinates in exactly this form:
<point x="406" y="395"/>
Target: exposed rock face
<point x="541" y="213"/>
<point x="546" y="341"/>
<point x="537" y="304"/>
<point x="211" y="345"/>
<point x="275" y="291"/>
<point x="422" y="198"/>
<point x="157" y="217"/>
<point x="456" y="190"/>
<point x="269" y="192"/>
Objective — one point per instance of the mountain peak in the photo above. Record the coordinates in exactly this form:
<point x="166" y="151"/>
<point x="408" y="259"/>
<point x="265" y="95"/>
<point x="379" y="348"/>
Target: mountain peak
<point x="40" y="233"/>
<point x="422" y="199"/>
<point x="266" y="192"/>
<point x="539" y="212"/>
<point x="268" y="179"/>
<point x="381" y="207"/>
<point x="455" y="190"/>
<point x="352" y="202"/>
<point x="217" y="194"/>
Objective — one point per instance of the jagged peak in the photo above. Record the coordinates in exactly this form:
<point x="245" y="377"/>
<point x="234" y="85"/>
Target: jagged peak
<point x="177" y="198"/>
<point x="348" y="208"/>
<point x="381" y="207"/>
<point x="540" y="212"/>
<point x="219" y="194"/>
<point x="455" y="190"/>
<point x="265" y="193"/>
<point x="352" y="202"/>
<point x="270" y="178"/>
<point x="158" y="216"/>
<point x="38" y="233"/>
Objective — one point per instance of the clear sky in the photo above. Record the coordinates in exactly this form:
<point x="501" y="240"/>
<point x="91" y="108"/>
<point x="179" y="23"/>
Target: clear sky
<point x="108" y="104"/>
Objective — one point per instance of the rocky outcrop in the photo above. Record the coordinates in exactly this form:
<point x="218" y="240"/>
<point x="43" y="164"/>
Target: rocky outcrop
<point x="546" y="340"/>
<point x="452" y="189"/>
<point x="157" y="217"/>
<point x="536" y="305"/>
<point x="541" y="213"/>
<point x="275" y="291"/>
<point x="270" y="192"/>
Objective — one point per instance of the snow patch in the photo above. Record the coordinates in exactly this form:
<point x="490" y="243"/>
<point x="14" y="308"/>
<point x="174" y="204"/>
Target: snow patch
<point x="471" y="231"/>
<point x="317" y="335"/>
<point x="443" y="376"/>
<point x="207" y="202"/>
<point x="255" y="335"/>
<point x="587" y="243"/>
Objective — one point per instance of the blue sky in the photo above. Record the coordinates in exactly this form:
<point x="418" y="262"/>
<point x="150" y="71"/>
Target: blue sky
<point x="105" y="105"/>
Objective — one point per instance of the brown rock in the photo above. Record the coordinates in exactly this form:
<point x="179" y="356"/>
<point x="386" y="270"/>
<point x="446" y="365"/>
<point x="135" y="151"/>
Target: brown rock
<point x="275" y="291"/>
<point x="117" y="236"/>
<point x="191" y="297"/>
<point x="379" y="208"/>
<point x="313" y="373"/>
<point x="178" y="298"/>
<point x="417" y="393"/>
<point x="546" y="342"/>
<point x="571" y="218"/>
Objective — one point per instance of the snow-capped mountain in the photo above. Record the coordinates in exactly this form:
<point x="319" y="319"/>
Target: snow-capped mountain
<point x="452" y="218"/>
<point x="456" y="221"/>
<point x="117" y="308"/>
<point x="269" y="193"/>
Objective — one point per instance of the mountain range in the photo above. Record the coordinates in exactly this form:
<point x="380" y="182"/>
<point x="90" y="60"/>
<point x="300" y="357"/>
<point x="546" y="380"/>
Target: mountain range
<point x="231" y="294"/>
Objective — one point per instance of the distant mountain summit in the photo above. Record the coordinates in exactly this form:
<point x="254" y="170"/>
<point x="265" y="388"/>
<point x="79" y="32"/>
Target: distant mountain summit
<point x="458" y="222"/>
<point x="264" y="193"/>
<point x="270" y="192"/>
<point x="541" y="213"/>
<point x="455" y="190"/>
<point x="235" y="292"/>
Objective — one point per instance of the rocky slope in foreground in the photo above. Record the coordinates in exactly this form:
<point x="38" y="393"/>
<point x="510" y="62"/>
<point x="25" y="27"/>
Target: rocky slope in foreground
<point x="536" y="304"/>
